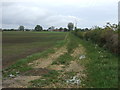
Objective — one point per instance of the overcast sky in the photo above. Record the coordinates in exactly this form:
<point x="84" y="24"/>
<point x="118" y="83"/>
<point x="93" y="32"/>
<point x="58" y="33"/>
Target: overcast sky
<point x="58" y="13"/>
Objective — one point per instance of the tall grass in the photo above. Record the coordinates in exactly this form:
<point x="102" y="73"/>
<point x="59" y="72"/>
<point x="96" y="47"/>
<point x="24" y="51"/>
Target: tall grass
<point x="101" y="66"/>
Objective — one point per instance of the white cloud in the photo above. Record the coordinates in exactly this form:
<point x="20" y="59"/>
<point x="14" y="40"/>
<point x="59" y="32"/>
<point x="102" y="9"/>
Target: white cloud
<point x="58" y="13"/>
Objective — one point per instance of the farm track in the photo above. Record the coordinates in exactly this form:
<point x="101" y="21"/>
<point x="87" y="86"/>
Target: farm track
<point x="21" y="81"/>
<point x="42" y="66"/>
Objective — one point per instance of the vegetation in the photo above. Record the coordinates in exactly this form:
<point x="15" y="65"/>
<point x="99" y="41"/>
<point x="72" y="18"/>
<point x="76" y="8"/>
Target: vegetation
<point x="18" y="45"/>
<point x="47" y="79"/>
<point x="38" y="28"/>
<point x="102" y="67"/>
<point x="63" y="59"/>
<point x="100" y="63"/>
<point x="105" y="37"/>
<point x="21" y="28"/>
<point x="21" y="65"/>
<point x="70" y="26"/>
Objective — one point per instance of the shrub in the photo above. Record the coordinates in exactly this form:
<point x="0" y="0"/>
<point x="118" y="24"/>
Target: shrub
<point x="106" y="38"/>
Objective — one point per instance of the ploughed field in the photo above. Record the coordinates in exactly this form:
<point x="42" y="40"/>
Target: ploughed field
<point x="18" y="45"/>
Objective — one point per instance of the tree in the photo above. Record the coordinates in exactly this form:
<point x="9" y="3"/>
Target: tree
<point x="51" y="28"/>
<point x="21" y="28"/>
<point x="113" y="27"/>
<point x="38" y="28"/>
<point x="65" y="29"/>
<point x="86" y="29"/>
<point x="70" y="26"/>
<point x="60" y="29"/>
<point x="75" y="28"/>
<point x="119" y="26"/>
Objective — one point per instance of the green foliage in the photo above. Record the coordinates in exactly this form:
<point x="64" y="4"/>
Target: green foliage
<point x="101" y="66"/>
<point x="72" y="43"/>
<point x="70" y="26"/>
<point x="38" y="28"/>
<point x="65" y="29"/>
<point x="106" y="38"/>
<point x="63" y="59"/>
<point x="47" y="79"/>
<point x="21" y="28"/>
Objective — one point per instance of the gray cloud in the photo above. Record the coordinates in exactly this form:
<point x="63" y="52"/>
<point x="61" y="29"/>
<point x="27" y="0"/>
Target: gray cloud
<point x="58" y="14"/>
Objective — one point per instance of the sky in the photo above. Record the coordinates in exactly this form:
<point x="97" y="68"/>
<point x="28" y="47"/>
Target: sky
<point x="57" y="13"/>
<point x="119" y="11"/>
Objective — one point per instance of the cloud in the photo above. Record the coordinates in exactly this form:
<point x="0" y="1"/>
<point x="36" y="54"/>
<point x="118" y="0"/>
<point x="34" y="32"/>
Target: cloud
<point x="58" y="13"/>
<point x="0" y="15"/>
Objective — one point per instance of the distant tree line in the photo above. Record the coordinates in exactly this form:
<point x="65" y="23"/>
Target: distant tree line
<point x="40" y="28"/>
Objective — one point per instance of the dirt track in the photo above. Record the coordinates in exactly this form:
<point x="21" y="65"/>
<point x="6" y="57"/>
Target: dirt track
<point x="44" y="65"/>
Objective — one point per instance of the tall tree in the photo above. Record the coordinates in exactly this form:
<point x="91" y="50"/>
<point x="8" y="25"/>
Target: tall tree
<point x="70" y="26"/>
<point x="38" y="28"/>
<point x="21" y="28"/>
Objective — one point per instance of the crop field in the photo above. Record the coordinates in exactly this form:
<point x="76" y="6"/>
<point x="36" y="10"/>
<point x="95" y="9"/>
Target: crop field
<point x="18" y="45"/>
<point x="56" y="60"/>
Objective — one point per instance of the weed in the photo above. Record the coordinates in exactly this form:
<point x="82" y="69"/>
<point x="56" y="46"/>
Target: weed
<point x="47" y="79"/>
<point x="63" y="59"/>
<point x="101" y="66"/>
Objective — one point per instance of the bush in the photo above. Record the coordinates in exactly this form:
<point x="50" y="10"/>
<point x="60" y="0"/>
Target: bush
<point x="106" y="38"/>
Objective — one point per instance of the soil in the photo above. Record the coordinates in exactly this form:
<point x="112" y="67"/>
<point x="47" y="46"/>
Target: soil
<point x="39" y="68"/>
<point x="11" y="59"/>
<point x="43" y="66"/>
<point x="78" y="51"/>
<point x="43" y="63"/>
<point x="36" y="72"/>
<point x="18" y="82"/>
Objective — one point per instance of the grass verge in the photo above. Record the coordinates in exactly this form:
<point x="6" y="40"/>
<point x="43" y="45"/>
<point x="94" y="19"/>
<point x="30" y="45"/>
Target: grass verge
<point x="63" y="59"/>
<point x="101" y="65"/>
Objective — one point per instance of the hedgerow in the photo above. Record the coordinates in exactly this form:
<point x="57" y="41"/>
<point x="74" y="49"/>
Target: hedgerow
<point x="106" y="38"/>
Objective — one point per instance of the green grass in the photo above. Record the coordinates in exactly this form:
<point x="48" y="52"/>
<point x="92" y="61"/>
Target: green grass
<point x="47" y="79"/>
<point x="101" y="65"/>
<point x="63" y="59"/>
<point x="72" y="43"/>
<point x="101" y="68"/>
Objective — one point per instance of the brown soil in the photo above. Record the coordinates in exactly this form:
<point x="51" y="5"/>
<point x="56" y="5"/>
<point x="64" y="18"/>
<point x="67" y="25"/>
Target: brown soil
<point x="74" y="67"/>
<point x="79" y="50"/>
<point x="39" y="66"/>
<point x="11" y="59"/>
<point x="43" y="66"/>
<point x="56" y="67"/>
<point x="18" y="82"/>
<point x="43" y="63"/>
<point x="36" y="72"/>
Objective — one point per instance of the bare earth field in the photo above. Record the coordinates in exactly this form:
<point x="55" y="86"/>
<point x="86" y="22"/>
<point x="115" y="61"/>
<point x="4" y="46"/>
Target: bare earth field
<point x="18" y="45"/>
